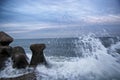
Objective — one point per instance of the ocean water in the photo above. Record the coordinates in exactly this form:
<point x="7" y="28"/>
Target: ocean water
<point x="82" y="58"/>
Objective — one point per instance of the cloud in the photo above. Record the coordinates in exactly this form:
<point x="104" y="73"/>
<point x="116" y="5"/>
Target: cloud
<point x="67" y="11"/>
<point x="104" y="19"/>
<point x="79" y="22"/>
<point x="24" y="27"/>
<point x="52" y="17"/>
<point x="29" y="27"/>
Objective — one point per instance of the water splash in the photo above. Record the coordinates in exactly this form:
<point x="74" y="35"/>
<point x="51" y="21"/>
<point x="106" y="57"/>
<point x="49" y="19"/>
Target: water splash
<point x="95" y="63"/>
<point x="11" y="72"/>
<point x="88" y="46"/>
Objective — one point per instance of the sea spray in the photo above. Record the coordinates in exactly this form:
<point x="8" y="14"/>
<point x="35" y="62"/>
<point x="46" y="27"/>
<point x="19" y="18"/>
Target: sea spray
<point x="114" y="50"/>
<point x="9" y="72"/>
<point x="90" y="61"/>
<point x="88" y="46"/>
<point x="94" y="63"/>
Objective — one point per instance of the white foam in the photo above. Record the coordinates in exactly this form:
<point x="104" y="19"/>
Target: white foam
<point x="11" y="72"/>
<point x="95" y="64"/>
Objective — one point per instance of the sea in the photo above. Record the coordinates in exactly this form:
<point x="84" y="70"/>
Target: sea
<point x="86" y="57"/>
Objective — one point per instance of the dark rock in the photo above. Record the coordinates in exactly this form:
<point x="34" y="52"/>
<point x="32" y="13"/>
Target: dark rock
<point x="2" y="61"/>
<point x="5" y="39"/>
<point x="19" y="58"/>
<point x="5" y="53"/>
<point x="18" y="50"/>
<point x="37" y="54"/>
<point x="6" y="50"/>
<point x="29" y="76"/>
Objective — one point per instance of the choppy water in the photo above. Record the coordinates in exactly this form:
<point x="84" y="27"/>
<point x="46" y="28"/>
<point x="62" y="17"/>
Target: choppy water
<point x="82" y="58"/>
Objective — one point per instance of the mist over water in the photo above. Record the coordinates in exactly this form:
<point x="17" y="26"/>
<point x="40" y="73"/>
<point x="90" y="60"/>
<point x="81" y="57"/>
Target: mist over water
<point x="82" y="58"/>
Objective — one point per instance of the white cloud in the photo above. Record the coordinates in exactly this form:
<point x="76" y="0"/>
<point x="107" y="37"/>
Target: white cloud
<point x="59" y="6"/>
<point x="104" y="19"/>
<point x="64" y="10"/>
<point x="60" y="14"/>
<point x="27" y="27"/>
<point x="82" y="21"/>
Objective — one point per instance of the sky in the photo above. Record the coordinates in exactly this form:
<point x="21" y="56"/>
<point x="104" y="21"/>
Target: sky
<point x="59" y="18"/>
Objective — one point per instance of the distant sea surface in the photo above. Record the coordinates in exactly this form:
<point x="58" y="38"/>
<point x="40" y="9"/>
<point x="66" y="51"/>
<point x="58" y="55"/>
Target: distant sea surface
<point x="61" y="46"/>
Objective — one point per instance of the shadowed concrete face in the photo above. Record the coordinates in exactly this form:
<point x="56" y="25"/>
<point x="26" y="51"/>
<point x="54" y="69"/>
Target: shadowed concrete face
<point x="5" y="50"/>
<point x="5" y="39"/>
<point x="37" y="54"/>
<point x="5" y="53"/>
<point x="19" y="58"/>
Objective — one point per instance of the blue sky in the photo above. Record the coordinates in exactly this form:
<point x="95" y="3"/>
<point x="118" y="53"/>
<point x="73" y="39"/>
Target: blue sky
<point x="59" y="18"/>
